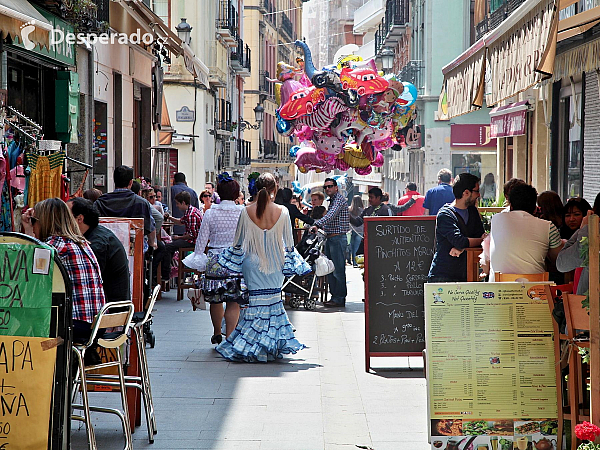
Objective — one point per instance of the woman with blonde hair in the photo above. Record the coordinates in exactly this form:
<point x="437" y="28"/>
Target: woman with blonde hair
<point x="263" y="251"/>
<point x="51" y="222"/>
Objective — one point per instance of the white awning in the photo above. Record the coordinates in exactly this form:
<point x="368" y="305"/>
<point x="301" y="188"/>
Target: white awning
<point x="195" y="66"/>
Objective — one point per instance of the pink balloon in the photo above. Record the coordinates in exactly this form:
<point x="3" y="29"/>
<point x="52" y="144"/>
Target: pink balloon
<point x="328" y="143"/>
<point x="363" y="171"/>
<point x="306" y="160"/>
<point x="378" y="161"/>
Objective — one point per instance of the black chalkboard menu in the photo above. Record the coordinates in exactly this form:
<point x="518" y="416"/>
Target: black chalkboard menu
<point x="398" y="254"/>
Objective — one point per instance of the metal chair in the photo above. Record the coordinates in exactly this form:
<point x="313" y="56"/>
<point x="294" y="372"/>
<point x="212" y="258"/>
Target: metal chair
<point x="112" y="315"/>
<point x="142" y="382"/>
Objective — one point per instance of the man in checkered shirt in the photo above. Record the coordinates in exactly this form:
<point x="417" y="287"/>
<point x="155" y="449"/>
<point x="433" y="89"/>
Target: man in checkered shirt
<point x="192" y="218"/>
<point x="336" y="224"/>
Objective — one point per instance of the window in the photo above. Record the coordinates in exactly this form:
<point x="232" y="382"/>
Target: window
<point x="570" y="143"/>
<point x="161" y="9"/>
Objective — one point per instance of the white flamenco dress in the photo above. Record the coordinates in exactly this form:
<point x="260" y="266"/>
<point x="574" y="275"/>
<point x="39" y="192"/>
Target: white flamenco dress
<point x="264" y="332"/>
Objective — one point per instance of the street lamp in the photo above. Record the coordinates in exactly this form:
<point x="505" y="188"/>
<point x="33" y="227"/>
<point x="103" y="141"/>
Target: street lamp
<point x="387" y="59"/>
<point x="184" y="31"/>
<point x="259" y="113"/>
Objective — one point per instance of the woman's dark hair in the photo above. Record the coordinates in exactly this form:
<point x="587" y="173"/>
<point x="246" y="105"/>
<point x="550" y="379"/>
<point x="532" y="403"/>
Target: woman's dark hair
<point x="464" y="182"/>
<point x="228" y="190"/>
<point x="84" y="207"/>
<point x="551" y="207"/>
<point x="92" y="194"/>
<point x="577" y="202"/>
<point x="266" y="186"/>
<point x="596" y="206"/>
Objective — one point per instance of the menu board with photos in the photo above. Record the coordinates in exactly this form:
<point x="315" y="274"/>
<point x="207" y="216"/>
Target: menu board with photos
<point x="490" y="366"/>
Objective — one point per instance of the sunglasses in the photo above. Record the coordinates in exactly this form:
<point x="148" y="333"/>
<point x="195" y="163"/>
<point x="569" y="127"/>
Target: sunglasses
<point x="327" y="186"/>
<point x="205" y="196"/>
<point x="152" y="196"/>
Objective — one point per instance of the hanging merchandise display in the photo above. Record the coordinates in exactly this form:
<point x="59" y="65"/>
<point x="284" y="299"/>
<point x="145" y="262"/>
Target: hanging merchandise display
<point x="344" y="116"/>
<point x="31" y="169"/>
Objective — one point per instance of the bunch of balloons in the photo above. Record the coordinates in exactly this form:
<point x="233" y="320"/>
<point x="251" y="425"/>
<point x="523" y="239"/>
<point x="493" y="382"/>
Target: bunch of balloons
<point x="344" y="115"/>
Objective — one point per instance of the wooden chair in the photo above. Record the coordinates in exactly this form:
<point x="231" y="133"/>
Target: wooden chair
<point x="552" y="292"/>
<point x="577" y="320"/>
<point x="532" y="277"/>
<point x="185" y="275"/>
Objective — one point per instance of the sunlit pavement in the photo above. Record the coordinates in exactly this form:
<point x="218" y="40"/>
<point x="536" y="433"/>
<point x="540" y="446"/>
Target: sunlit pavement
<point x="320" y="398"/>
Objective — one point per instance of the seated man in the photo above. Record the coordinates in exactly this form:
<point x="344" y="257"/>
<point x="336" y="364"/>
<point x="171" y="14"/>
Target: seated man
<point x="519" y="241"/>
<point x="458" y="226"/>
<point x="191" y="219"/>
<point x="109" y="251"/>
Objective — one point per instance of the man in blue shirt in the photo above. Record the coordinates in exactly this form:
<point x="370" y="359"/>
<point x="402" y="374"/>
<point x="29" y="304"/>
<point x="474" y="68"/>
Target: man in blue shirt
<point x="458" y="226"/>
<point x="438" y="196"/>
<point x="179" y="185"/>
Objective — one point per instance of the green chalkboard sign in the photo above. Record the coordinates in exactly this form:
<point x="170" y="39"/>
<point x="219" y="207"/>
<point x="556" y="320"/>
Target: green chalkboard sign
<point x="26" y="273"/>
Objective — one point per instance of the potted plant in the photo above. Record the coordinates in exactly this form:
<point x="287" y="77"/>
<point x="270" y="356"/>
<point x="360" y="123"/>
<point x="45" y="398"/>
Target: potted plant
<point x="587" y="432"/>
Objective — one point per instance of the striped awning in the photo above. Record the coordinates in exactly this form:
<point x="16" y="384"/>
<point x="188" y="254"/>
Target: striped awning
<point x="16" y="13"/>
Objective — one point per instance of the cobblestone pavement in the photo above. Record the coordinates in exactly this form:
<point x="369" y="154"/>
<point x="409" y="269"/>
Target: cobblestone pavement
<point x="320" y="398"/>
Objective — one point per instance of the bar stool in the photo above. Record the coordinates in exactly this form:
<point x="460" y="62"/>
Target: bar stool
<point x="142" y="382"/>
<point x="114" y="314"/>
<point x="531" y="277"/>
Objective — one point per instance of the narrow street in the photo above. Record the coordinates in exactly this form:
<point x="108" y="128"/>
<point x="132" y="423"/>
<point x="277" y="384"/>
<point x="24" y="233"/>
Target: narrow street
<point x="320" y="398"/>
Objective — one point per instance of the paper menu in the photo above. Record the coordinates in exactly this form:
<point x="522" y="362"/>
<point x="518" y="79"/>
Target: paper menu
<point x="489" y="351"/>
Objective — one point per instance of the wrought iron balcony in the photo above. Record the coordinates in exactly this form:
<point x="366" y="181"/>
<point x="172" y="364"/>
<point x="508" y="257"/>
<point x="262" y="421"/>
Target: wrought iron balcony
<point x="240" y="58"/>
<point x="481" y="28"/>
<point x="223" y="123"/>
<point x="267" y="7"/>
<point x="286" y="25"/>
<point x="243" y="153"/>
<point x="393" y="24"/>
<point x="413" y="73"/>
<point x="498" y="15"/>
<point x="227" y="22"/>
<point x="265" y="86"/>
<point x="268" y="150"/>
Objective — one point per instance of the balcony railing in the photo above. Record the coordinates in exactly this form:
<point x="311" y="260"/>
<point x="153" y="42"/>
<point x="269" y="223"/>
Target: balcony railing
<point x="286" y="25"/>
<point x="265" y="86"/>
<point x="240" y="56"/>
<point x="269" y="7"/>
<point x="269" y="149"/>
<point x="223" y="115"/>
<point x="413" y="73"/>
<point x="481" y="28"/>
<point x="227" y="17"/>
<point x="397" y="15"/>
<point x="499" y="10"/>
<point x="243" y="153"/>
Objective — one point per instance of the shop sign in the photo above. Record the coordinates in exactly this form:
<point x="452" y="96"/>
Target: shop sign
<point x="471" y="135"/>
<point x="62" y="51"/>
<point x="185" y="114"/>
<point x="513" y="123"/>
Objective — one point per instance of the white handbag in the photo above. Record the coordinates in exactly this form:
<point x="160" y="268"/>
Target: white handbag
<point x="197" y="298"/>
<point x="323" y="266"/>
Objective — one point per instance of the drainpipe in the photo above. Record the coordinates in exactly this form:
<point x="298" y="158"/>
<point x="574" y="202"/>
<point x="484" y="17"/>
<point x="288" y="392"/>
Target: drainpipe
<point x="89" y="122"/>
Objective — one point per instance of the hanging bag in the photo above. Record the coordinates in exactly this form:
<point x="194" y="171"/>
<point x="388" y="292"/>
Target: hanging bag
<point x="323" y="266"/>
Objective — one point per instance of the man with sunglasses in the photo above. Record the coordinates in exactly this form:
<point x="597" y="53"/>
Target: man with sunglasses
<point x="336" y="224"/>
<point x="458" y="226"/>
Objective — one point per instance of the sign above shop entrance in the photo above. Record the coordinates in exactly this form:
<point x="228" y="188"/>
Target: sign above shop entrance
<point x="471" y="135"/>
<point x="185" y="114"/>
<point x="509" y="120"/>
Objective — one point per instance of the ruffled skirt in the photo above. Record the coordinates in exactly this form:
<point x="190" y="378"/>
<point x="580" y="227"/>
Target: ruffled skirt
<point x="263" y="333"/>
<point x="220" y="285"/>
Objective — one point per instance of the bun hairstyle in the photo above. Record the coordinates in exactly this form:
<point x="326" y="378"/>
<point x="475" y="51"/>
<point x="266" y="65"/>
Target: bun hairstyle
<point x="266" y="185"/>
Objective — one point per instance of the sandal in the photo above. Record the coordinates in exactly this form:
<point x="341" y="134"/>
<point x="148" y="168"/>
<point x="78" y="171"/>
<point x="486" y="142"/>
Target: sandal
<point x="216" y="339"/>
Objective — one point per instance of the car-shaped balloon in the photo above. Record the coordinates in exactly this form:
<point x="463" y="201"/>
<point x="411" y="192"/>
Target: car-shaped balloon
<point x="364" y="81"/>
<point x="302" y="102"/>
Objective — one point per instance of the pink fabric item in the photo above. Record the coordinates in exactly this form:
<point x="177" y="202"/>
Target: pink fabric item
<point x="17" y="177"/>
<point x="576" y="278"/>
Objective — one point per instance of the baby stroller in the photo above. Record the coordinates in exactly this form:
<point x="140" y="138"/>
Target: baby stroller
<point x="302" y="289"/>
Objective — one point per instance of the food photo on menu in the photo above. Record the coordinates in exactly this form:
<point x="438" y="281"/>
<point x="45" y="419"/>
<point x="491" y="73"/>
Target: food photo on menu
<point x="472" y="443"/>
<point x="536" y="434"/>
